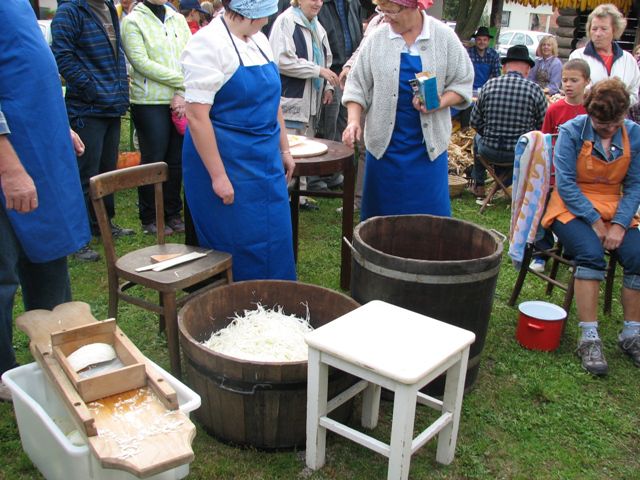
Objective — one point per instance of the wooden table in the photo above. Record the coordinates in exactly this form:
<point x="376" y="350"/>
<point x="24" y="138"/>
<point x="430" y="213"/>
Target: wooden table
<point x="339" y="158"/>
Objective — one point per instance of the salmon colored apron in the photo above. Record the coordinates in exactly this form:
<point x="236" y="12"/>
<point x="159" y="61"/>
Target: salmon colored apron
<point x="598" y="180"/>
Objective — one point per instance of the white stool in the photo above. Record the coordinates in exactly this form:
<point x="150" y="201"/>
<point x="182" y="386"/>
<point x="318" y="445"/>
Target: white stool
<point x="391" y="347"/>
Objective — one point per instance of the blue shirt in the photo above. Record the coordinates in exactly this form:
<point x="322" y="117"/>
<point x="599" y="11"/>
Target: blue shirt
<point x="571" y="137"/>
<point x="485" y="66"/>
<point x="344" y="22"/>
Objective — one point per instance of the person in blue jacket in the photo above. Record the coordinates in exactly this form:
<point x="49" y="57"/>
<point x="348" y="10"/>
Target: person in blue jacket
<point x="87" y="47"/>
<point x="42" y="213"/>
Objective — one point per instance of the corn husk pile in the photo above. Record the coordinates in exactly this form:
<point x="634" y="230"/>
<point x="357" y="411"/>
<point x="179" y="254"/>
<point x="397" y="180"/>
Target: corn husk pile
<point x="461" y="151"/>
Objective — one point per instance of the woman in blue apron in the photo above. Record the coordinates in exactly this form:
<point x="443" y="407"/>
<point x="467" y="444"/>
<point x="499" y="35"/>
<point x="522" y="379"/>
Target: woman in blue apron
<point x="407" y="163"/>
<point x="35" y="241"/>
<point x="235" y="150"/>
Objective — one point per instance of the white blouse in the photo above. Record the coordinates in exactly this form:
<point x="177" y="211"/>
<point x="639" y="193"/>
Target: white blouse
<point x="209" y="60"/>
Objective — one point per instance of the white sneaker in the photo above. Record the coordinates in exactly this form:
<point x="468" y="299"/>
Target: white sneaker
<point x="537" y="265"/>
<point x="5" y="393"/>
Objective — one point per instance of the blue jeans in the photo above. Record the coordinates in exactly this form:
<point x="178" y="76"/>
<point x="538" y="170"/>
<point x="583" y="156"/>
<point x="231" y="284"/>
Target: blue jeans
<point x="44" y="285"/>
<point x="479" y="173"/>
<point x="159" y="142"/>
<point x="101" y="138"/>
<point x="582" y="244"/>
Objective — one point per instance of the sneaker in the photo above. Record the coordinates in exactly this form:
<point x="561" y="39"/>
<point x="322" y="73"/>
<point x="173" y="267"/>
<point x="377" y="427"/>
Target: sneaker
<point x="593" y="361"/>
<point x="152" y="229"/>
<point x="335" y="181"/>
<point x="5" y="393"/>
<point x="176" y="224"/>
<point x="477" y="190"/>
<point x="86" y="254"/>
<point x="537" y="265"/>
<point x="631" y="346"/>
<point x="310" y="207"/>
<point x="117" y="231"/>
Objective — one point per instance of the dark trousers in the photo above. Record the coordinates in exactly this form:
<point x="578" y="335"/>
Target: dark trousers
<point x="479" y="173"/>
<point x="159" y="142"/>
<point x="101" y="138"/>
<point x="44" y="285"/>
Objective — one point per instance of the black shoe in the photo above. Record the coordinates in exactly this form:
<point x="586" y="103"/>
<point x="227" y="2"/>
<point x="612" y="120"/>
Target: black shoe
<point x="86" y="254"/>
<point x="152" y="229"/>
<point x="308" y="206"/>
<point x="176" y="224"/>
<point x="117" y="231"/>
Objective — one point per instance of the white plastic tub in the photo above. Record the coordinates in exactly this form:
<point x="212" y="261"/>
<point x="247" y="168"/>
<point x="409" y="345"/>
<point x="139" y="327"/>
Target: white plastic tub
<point x="37" y="404"/>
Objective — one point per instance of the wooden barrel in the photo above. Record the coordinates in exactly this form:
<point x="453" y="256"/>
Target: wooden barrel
<point x="258" y="404"/>
<point x="441" y="267"/>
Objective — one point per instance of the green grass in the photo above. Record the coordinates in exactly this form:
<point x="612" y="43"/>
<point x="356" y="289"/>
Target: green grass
<point x="531" y="414"/>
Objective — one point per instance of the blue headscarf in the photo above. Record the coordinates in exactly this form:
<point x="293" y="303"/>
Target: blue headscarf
<point x="254" y="8"/>
<point x="316" y="43"/>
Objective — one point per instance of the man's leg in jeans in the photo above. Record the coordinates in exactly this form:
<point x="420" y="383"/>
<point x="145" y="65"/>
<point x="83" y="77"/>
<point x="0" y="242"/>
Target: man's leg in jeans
<point x="9" y="281"/>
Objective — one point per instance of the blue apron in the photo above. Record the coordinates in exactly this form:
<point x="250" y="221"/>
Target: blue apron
<point x="404" y="181"/>
<point x="256" y="228"/>
<point x="59" y="226"/>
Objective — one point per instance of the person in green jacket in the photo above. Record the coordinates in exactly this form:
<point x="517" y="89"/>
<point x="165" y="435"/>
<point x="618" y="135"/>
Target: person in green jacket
<point x="153" y="36"/>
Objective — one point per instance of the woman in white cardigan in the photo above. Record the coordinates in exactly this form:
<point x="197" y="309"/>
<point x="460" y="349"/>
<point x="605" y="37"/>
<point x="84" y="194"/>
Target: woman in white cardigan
<point x="605" y="57"/>
<point x="407" y="162"/>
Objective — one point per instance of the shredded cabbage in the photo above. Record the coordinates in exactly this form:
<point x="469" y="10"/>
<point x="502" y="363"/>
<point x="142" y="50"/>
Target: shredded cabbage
<point x="263" y="335"/>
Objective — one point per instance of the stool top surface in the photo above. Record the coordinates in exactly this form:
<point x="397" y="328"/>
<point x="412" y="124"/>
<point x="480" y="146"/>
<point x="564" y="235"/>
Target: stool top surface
<point x="390" y="340"/>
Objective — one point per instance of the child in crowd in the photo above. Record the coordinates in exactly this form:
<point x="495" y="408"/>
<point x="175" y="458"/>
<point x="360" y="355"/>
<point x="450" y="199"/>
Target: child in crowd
<point x="575" y="78"/>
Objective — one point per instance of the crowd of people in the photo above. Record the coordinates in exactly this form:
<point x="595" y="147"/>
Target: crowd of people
<point x="214" y="87"/>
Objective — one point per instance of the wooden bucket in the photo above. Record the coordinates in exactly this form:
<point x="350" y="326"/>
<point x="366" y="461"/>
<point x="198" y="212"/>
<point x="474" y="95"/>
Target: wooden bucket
<point x="258" y="404"/>
<point x="441" y="267"/>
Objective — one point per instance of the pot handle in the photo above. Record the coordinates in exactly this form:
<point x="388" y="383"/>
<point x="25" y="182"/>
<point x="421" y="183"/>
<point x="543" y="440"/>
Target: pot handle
<point x="356" y="254"/>
<point x="533" y="326"/>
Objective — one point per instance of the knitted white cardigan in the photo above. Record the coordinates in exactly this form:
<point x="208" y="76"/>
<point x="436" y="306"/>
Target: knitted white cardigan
<point x="374" y="78"/>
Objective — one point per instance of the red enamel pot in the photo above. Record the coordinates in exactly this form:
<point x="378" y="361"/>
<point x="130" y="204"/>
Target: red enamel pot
<point x="540" y="325"/>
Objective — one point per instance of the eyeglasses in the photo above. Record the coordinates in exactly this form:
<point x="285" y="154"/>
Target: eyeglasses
<point x="386" y="13"/>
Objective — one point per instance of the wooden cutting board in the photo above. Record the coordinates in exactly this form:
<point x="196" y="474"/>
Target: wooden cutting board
<point x="132" y="431"/>
<point x="308" y="148"/>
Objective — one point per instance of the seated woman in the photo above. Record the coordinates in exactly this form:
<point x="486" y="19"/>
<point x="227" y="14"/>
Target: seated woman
<point x="547" y="72"/>
<point x="597" y="161"/>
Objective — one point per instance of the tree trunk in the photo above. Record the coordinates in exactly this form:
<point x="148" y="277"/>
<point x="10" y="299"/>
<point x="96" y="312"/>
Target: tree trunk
<point x="495" y="20"/>
<point x="468" y="17"/>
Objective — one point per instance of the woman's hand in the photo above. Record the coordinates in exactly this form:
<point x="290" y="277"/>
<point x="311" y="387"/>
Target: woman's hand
<point x="614" y="237"/>
<point x="601" y="229"/>
<point x="343" y="76"/>
<point x="327" y="97"/>
<point x="351" y="134"/>
<point x="178" y="105"/>
<point x="418" y="105"/>
<point x="330" y="77"/>
<point x="222" y="188"/>
<point x="289" y="165"/>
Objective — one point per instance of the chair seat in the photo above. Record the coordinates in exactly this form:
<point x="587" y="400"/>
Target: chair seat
<point x="176" y="278"/>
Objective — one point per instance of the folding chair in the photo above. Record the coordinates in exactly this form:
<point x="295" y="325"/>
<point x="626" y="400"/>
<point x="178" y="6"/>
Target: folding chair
<point x="499" y="179"/>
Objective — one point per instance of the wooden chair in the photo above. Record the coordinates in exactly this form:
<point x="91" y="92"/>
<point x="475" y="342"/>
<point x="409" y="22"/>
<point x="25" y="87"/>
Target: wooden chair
<point x="499" y="179"/>
<point x="198" y="275"/>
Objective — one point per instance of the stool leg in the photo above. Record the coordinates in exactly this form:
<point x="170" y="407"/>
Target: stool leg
<point x="317" y="391"/>
<point x="371" y="405"/>
<point x="452" y="402"/>
<point x="404" y="410"/>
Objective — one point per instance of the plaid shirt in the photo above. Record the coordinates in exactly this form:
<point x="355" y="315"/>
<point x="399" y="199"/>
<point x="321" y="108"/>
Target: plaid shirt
<point x="490" y="57"/>
<point x="4" y="127"/>
<point x="507" y="107"/>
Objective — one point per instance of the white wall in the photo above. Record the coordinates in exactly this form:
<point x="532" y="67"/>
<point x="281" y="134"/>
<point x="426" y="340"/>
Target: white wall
<point x="520" y="16"/>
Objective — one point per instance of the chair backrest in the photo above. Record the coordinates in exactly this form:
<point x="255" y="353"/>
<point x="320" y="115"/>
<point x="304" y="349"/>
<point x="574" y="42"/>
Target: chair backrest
<point x="132" y="177"/>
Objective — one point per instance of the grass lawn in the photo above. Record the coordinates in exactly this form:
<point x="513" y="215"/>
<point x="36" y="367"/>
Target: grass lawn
<point x="531" y="414"/>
